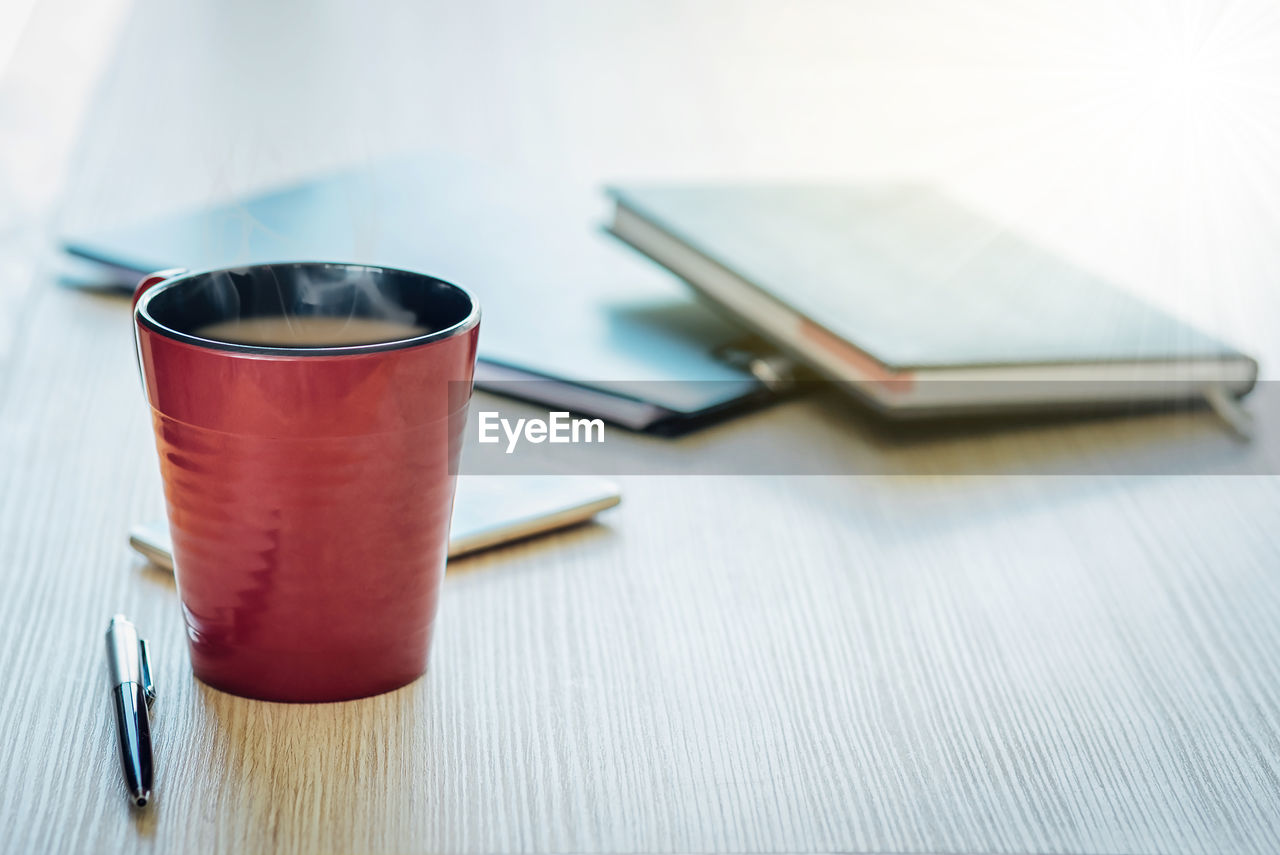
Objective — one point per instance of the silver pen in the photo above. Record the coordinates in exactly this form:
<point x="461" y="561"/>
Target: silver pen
<point x="132" y="694"/>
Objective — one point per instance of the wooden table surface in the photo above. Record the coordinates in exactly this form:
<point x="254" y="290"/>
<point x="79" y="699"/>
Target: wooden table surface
<point x="930" y="662"/>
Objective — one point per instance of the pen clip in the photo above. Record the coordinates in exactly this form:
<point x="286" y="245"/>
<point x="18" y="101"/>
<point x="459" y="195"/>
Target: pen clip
<point x="144" y="669"/>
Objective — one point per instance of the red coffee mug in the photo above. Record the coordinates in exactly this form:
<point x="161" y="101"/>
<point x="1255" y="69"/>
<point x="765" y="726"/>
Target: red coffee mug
<point x="309" y="489"/>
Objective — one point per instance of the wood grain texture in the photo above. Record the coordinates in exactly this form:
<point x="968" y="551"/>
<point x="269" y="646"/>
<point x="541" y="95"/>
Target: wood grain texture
<point x="897" y="664"/>
<point x="904" y="663"/>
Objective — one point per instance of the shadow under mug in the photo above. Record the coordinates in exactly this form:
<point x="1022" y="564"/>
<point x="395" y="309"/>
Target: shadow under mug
<point x="309" y="489"/>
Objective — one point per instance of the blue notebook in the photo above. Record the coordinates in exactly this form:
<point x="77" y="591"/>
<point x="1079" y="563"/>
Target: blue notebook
<point x="571" y="320"/>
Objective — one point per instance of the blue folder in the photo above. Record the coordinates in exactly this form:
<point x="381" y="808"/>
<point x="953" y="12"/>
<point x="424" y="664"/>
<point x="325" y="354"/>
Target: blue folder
<point x="571" y="319"/>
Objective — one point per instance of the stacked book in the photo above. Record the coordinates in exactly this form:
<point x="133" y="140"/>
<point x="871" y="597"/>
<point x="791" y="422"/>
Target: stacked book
<point x="896" y="293"/>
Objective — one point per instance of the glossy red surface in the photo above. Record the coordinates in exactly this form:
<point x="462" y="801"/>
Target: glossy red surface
<point x="309" y="500"/>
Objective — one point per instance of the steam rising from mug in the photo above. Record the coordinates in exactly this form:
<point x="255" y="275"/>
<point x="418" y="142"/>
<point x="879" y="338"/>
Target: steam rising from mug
<point x="312" y="292"/>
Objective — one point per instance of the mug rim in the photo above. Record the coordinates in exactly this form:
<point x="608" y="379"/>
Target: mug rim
<point x="144" y="318"/>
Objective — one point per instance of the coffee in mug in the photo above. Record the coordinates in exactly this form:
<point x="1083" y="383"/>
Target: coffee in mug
<point x="308" y="331"/>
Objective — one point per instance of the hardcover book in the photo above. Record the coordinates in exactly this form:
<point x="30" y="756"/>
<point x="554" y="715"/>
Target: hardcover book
<point x="919" y="305"/>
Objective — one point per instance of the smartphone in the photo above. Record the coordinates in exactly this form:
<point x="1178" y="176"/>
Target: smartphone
<point x="488" y="511"/>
